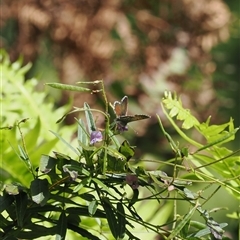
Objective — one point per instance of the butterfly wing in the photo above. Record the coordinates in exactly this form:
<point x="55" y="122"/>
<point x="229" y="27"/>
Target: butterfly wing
<point x="120" y="108"/>
<point x="131" y="118"/>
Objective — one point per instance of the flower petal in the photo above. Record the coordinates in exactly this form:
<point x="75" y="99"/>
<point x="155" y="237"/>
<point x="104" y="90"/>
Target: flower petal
<point x="96" y="136"/>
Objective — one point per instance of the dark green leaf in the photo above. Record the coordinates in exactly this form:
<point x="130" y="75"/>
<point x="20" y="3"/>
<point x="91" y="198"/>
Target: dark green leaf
<point x="5" y="222"/>
<point x="83" y="211"/>
<point x="35" y="232"/>
<point x="46" y="208"/>
<point x="39" y="191"/>
<point x="73" y="219"/>
<point x="134" y="197"/>
<point x="60" y="198"/>
<point x="115" y="164"/>
<point x="111" y="217"/>
<point x="9" y="238"/>
<point x="86" y="196"/>
<point x="21" y="206"/>
<point x="5" y="201"/>
<point x="126" y="150"/>
<point x="61" y="227"/>
<point x="82" y="232"/>
<point x="121" y="220"/>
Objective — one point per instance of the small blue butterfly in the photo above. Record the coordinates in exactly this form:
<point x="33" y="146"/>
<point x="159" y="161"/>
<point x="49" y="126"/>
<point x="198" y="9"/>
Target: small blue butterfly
<point x="120" y="109"/>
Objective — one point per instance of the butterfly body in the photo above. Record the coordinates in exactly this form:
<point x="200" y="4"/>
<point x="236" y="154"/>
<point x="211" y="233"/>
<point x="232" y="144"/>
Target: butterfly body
<point x="122" y="119"/>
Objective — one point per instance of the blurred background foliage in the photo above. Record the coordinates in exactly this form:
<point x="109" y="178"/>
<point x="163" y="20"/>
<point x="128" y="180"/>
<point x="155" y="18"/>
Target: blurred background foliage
<point x="139" y="48"/>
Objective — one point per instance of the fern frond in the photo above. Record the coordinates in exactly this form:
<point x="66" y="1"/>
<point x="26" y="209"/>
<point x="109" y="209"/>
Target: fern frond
<point x="174" y="104"/>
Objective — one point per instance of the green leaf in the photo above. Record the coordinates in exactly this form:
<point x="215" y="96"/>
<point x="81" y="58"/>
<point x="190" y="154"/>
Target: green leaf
<point x="189" y="194"/>
<point x="216" y="135"/>
<point x="89" y="118"/>
<point x="183" y="222"/>
<point x="185" y="230"/>
<point x="27" y="101"/>
<point x="126" y="150"/>
<point x="115" y="153"/>
<point x="65" y="142"/>
<point x="62" y="156"/>
<point x="44" y="147"/>
<point x="61" y="227"/>
<point x="23" y="70"/>
<point x="14" y="188"/>
<point x="92" y="207"/>
<point x="31" y="138"/>
<point x="215" y="228"/>
<point x="176" y="109"/>
<point x="75" y="166"/>
<point x="30" y="103"/>
<point x="102" y="185"/>
<point x="24" y="155"/>
<point x="206" y="231"/>
<point x="83" y="137"/>
<point x="83" y="183"/>
<point x="47" y="163"/>
<point x="180" y="132"/>
<point x="39" y="191"/>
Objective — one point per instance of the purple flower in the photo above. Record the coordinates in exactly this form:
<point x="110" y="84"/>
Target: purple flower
<point x="132" y="181"/>
<point x="96" y="136"/>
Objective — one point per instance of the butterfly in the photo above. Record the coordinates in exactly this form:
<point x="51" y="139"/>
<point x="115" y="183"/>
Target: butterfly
<point x="122" y="119"/>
